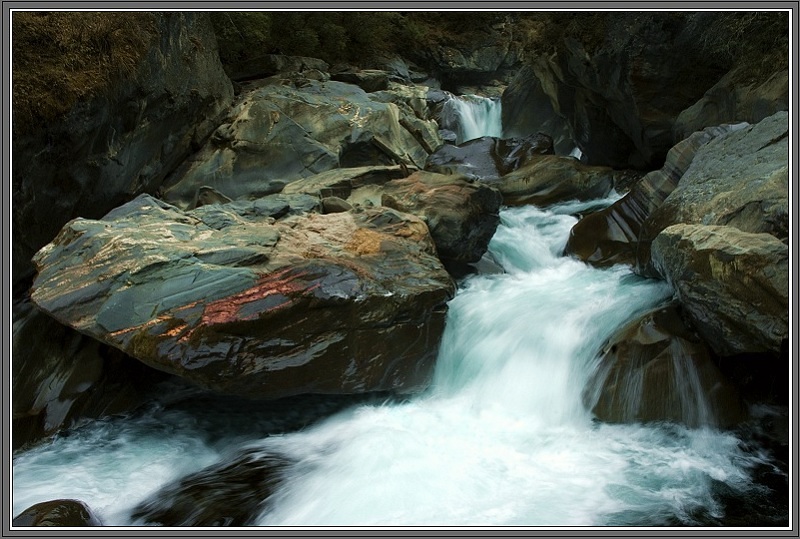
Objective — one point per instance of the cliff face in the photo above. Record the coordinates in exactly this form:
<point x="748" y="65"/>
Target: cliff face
<point x="629" y="86"/>
<point x="121" y="140"/>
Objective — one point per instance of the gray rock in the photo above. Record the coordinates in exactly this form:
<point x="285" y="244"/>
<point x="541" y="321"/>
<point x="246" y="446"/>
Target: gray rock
<point x="613" y="235"/>
<point x="276" y="134"/>
<point x="733" y="285"/>
<point x="740" y="180"/>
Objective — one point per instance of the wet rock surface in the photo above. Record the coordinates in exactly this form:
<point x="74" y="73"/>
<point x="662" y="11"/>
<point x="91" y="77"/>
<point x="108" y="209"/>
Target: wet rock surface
<point x="340" y="303"/>
<point x="656" y="369"/>
<point x="232" y="493"/>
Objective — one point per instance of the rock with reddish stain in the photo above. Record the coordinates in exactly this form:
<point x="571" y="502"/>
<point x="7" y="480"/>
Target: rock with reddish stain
<point x="309" y="303"/>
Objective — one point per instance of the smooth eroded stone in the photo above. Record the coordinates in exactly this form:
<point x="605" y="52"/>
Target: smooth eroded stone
<point x="611" y="236"/>
<point x="230" y="493"/>
<point x="656" y="369"/>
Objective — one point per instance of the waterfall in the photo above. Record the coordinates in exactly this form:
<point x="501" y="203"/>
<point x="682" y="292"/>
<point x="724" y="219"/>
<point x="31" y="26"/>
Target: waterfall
<point x="473" y="117"/>
<point x="501" y="438"/>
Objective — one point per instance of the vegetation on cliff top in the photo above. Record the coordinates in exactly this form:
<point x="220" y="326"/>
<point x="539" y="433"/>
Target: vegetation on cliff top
<point x="59" y="58"/>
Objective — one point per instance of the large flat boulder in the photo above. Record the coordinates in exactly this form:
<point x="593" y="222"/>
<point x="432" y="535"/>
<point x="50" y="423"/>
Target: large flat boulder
<point x="462" y="214"/>
<point x="239" y="302"/>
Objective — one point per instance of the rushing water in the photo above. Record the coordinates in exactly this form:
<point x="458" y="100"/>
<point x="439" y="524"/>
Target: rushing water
<point x="474" y="116"/>
<point x="502" y="437"/>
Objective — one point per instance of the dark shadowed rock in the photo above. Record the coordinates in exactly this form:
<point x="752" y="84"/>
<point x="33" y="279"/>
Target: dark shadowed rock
<point x="62" y="379"/>
<point x="57" y="513"/>
<point x="734" y="285"/>
<point x="527" y="109"/>
<point x="126" y="141"/>
<point x="340" y="303"/>
<point x="656" y="369"/>
<point x="622" y="93"/>
<point x="735" y="98"/>
<point x="268" y="65"/>
<point x="232" y="493"/>
<point x="488" y="158"/>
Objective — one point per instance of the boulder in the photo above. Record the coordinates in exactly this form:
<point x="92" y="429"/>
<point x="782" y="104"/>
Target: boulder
<point x="551" y="178"/>
<point x="740" y="180"/>
<point x="231" y="493"/>
<point x="369" y="80"/>
<point x="243" y="304"/>
<point x="57" y="513"/>
<point x="279" y="133"/>
<point x="656" y="369"/>
<point x="462" y="215"/>
<point x="488" y="158"/>
<point x="612" y="235"/>
<point x="121" y="142"/>
<point x="733" y="285"/>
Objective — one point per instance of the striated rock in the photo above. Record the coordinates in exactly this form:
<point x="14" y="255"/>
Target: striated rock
<point x="227" y="494"/>
<point x="527" y="109"/>
<point x="57" y="513"/>
<point x="276" y="134"/>
<point x="740" y="180"/>
<point x="62" y="379"/>
<point x="243" y="304"/>
<point x="612" y="236"/>
<point x="656" y="369"/>
<point x="733" y="99"/>
<point x="549" y="179"/>
<point x="734" y="285"/>
<point x="461" y="215"/>
<point x="488" y="158"/>
<point x="123" y="142"/>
